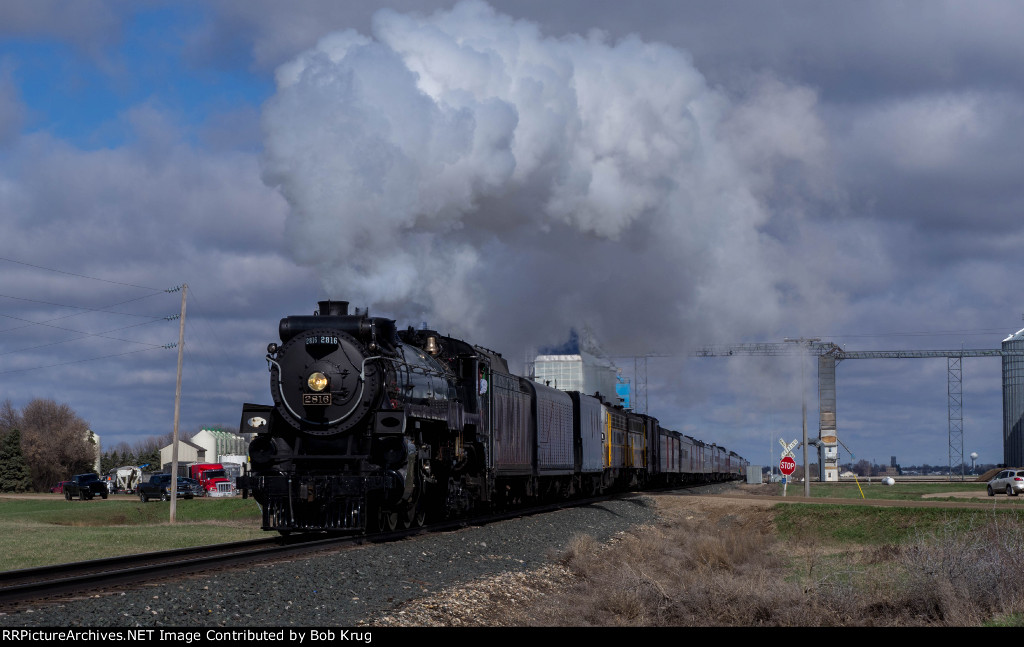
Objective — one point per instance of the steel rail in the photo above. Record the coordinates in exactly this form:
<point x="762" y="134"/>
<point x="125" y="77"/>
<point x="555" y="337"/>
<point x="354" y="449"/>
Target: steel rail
<point x="59" y="581"/>
<point x="75" y="577"/>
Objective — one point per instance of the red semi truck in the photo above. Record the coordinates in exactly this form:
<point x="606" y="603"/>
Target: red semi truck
<point x="213" y="479"/>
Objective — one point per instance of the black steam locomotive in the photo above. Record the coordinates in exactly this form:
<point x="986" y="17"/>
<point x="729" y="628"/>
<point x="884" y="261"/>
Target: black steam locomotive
<point x="374" y="428"/>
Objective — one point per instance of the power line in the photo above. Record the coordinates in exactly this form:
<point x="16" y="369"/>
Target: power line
<point x="91" y="359"/>
<point x="75" y="314"/>
<point x="103" y="335"/>
<point x="62" y="305"/>
<point x="80" y="310"/>
<point x="80" y="332"/>
<point x="935" y="333"/>
<point x="81" y="276"/>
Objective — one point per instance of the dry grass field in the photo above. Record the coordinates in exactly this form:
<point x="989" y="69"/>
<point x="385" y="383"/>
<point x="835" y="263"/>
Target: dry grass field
<point x="717" y="561"/>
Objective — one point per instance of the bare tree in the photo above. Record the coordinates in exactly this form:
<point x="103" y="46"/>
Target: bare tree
<point x="124" y="452"/>
<point x="56" y="442"/>
<point x="862" y="468"/>
<point x="10" y="419"/>
<point x="168" y="438"/>
<point x="147" y="445"/>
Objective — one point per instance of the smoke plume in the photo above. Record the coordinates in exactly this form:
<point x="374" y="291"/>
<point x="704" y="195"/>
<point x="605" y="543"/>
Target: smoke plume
<point x="465" y="169"/>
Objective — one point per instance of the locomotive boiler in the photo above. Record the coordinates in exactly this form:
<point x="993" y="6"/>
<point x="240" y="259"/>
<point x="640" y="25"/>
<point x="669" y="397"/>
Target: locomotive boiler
<point x="370" y="428"/>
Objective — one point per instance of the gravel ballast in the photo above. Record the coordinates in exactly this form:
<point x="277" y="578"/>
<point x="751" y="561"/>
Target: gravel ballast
<point x="347" y="588"/>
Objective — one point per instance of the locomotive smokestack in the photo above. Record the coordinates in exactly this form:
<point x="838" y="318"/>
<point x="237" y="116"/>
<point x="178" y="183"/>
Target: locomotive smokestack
<point x="332" y="308"/>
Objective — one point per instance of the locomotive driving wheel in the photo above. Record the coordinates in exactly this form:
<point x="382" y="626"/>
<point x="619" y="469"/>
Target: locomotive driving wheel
<point x="414" y="516"/>
<point x="387" y="519"/>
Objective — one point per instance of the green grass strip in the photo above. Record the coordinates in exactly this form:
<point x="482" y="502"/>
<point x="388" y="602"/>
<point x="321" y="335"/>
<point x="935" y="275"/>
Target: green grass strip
<point x="851" y="524"/>
<point x="43" y="531"/>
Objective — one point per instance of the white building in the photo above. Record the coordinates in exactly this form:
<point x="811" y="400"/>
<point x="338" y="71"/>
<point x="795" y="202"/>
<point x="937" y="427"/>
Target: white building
<point x="206" y="447"/>
<point x="219" y="443"/>
<point x="582" y="372"/>
<point x="94" y="438"/>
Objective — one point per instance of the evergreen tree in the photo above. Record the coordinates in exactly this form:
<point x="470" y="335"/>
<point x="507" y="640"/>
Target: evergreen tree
<point x="152" y="457"/>
<point x="127" y="458"/>
<point x="14" y="472"/>
<point x="110" y="460"/>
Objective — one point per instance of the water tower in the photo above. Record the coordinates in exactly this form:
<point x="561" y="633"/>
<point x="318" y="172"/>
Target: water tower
<point x="974" y="457"/>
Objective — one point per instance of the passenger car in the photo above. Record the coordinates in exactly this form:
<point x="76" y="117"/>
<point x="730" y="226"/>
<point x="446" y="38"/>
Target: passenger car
<point x="1010" y="481"/>
<point x="159" y="487"/>
<point x="59" y="488"/>
<point x="85" y="487"/>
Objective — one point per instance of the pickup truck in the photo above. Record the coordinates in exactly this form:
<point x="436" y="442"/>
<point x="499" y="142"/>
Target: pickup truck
<point x="159" y="487"/>
<point x="85" y="487"/>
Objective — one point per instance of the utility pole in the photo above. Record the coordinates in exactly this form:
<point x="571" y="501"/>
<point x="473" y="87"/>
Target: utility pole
<point x="177" y="408"/>
<point x="803" y="398"/>
<point x="803" y="418"/>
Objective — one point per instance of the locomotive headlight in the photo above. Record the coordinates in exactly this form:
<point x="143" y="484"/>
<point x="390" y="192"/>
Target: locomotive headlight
<point x="317" y="381"/>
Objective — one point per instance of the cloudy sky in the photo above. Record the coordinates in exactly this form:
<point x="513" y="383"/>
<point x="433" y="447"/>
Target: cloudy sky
<point x="667" y="174"/>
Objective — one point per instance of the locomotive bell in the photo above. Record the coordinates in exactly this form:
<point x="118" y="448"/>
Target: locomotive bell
<point x="431" y="346"/>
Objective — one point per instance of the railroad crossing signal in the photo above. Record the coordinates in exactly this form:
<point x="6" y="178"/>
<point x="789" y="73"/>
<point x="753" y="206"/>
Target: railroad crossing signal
<point x="787" y="450"/>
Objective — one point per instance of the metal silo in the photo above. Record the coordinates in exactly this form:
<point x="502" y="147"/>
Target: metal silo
<point x="1013" y="401"/>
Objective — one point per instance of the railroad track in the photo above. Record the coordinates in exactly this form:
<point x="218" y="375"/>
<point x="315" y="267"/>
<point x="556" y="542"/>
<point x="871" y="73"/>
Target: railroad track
<point x="48" y="584"/>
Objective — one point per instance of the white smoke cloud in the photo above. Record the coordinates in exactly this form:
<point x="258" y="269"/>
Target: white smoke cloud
<point x="465" y="169"/>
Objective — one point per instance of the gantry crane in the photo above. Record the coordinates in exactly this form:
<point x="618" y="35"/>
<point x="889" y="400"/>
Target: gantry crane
<point x="830" y="354"/>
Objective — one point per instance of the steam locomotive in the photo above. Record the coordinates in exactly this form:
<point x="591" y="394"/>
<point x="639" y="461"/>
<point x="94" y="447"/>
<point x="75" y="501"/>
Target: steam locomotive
<point x="373" y="429"/>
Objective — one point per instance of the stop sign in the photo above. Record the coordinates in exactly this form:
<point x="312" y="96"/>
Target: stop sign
<point x="787" y="465"/>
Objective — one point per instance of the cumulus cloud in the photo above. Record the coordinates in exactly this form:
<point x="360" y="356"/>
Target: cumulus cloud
<point x="154" y="213"/>
<point x="466" y="169"/>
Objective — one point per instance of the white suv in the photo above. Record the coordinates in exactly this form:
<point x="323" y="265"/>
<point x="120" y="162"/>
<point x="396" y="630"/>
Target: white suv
<point x="1009" y="481"/>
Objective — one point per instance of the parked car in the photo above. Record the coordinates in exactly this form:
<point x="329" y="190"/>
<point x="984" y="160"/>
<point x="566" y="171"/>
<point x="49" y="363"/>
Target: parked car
<point x="59" y="488"/>
<point x="159" y="487"/>
<point x="1009" y="481"/>
<point x="85" y="487"/>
